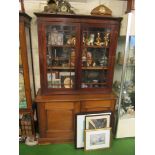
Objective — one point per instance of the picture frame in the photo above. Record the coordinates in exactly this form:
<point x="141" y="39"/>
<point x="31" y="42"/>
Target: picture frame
<point x="67" y="79"/>
<point x="60" y="39"/>
<point x="56" y="83"/>
<point x="97" y="121"/>
<point x="49" y="80"/>
<point x="56" y="38"/>
<point x="80" y="126"/>
<point x="97" y="139"/>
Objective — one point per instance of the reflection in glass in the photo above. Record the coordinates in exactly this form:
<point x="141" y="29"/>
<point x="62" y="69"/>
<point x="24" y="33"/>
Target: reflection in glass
<point x="22" y="97"/>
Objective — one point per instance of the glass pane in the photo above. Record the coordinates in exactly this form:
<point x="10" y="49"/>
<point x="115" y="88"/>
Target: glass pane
<point x="126" y="60"/>
<point x="95" y="54"/>
<point x="61" y="56"/>
<point x="22" y="97"/>
<point x="128" y="98"/>
<point x="30" y="64"/>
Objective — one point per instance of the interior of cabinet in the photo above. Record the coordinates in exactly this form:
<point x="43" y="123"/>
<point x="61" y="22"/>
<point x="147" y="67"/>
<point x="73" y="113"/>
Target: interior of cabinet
<point x="95" y="54"/>
<point x="61" y="56"/>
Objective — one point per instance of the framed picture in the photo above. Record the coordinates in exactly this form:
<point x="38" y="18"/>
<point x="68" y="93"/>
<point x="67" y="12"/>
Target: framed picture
<point x="60" y="39"/>
<point x="80" y="126"/>
<point x="97" y="139"/>
<point x="66" y="74"/>
<point x="56" y="37"/>
<point x="49" y="80"/>
<point x="56" y="83"/>
<point x="97" y="121"/>
<point x="67" y="79"/>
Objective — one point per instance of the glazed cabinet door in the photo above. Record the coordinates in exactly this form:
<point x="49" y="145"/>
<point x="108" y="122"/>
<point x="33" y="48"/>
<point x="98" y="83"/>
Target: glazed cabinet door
<point x="26" y="74"/>
<point x="57" y="120"/>
<point x="97" y="57"/>
<point x="58" y="56"/>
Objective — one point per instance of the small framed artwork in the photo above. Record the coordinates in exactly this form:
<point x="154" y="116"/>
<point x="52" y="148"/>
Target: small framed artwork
<point x="56" y="37"/>
<point x="97" y="121"/>
<point x="60" y="39"/>
<point x="49" y="80"/>
<point x="56" y="83"/>
<point x="97" y="139"/>
<point x="80" y="126"/>
<point x="67" y="74"/>
<point x="67" y="81"/>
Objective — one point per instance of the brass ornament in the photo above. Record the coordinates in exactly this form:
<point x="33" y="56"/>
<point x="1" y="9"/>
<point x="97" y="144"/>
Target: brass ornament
<point x="101" y="10"/>
<point x="106" y="39"/>
<point x="58" y="7"/>
<point x="98" y="40"/>
<point x="51" y="7"/>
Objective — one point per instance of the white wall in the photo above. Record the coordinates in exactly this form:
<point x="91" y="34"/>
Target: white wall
<point x="118" y="9"/>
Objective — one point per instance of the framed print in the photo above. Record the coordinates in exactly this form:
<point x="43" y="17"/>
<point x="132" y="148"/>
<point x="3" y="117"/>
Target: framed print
<point x="21" y="6"/>
<point x="67" y="74"/>
<point x="56" y="37"/>
<point x="67" y="79"/>
<point x="97" y="139"/>
<point x="49" y="80"/>
<point x="80" y="126"/>
<point x="97" y="121"/>
<point x="56" y="83"/>
<point x="60" y="39"/>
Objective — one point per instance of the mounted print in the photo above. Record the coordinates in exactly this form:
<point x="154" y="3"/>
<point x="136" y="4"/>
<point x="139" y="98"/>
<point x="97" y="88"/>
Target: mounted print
<point x="97" y="139"/>
<point x="97" y="121"/>
<point x="67" y="79"/>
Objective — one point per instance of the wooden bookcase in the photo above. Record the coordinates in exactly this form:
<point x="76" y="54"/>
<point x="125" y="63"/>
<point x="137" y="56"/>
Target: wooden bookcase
<point x="77" y="56"/>
<point x="26" y="75"/>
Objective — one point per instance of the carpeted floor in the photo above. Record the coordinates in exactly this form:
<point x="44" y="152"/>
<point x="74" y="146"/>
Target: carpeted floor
<point x="125" y="146"/>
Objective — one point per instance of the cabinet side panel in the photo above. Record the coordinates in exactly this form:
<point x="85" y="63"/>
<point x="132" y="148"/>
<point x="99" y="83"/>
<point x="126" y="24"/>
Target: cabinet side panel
<point x="42" y="49"/>
<point x="42" y="119"/>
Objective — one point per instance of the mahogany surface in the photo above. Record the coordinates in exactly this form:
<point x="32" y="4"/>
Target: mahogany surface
<point x="56" y="113"/>
<point x="57" y="107"/>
